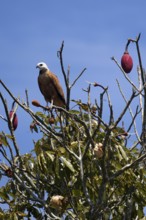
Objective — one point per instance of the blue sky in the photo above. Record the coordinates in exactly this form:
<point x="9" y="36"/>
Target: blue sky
<point x="32" y="31"/>
<point x="93" y="32"/>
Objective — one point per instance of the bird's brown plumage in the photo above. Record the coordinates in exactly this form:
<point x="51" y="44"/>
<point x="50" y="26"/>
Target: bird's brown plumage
<point x="50" y="87"/>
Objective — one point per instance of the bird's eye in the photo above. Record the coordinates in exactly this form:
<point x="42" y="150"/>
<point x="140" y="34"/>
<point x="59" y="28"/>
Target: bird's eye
<point x="41" y="64"/>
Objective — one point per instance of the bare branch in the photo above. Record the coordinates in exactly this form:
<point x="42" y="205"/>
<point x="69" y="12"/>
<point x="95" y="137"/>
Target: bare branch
<point x="83" y="176"/>
<point x="125" y="74"/>
<point x="78" y="77"/>
<point x="3" y="118"/>
<point x="140" y="88"/>
<point x="131" y="113"/>
<point x="3" y="152"/>
<point x="27" y="99"/>
<point x="10" y="148"/>
<point x="111" y="119"/>
<point x="10" y="126"/>
<point x="59" y="54"/>
<point x="125" y="109"/>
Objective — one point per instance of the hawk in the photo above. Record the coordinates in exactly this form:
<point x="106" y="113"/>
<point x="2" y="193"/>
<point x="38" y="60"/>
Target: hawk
<point x="50" y="86"/>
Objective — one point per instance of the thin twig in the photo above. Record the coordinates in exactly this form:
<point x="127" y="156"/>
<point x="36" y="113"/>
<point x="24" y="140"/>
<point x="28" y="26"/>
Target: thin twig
<point x="131" y="113"/>
<point x="10" y="126"/>
<point x="140" y="96"/>
<point x="111" y="119"/>
<point x="82" y="175"/>
<point x="3" y="118"/>
<point x="27" y="99"/>
<point x="125" y="74"/>
<point x="77" y="77"/>
<point x="10" y="148"/>
<point x="59" y="54"/>
<point x="125" y="109"/>
<point x="66" y="76"/>
<point x="3" y="152"/>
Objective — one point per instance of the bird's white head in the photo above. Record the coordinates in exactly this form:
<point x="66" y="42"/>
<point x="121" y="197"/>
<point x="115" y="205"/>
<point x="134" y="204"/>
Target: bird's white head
<point x="42" y="66"/>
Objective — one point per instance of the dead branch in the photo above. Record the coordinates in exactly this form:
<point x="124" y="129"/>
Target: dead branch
<point x="131" y="113"/>
<point x="77" y="78"/>
<point x="10" y="126"/>
<point x="125" y="109"/>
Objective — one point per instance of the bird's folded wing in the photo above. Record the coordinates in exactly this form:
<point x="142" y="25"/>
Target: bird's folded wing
<point x="57" y="86"/>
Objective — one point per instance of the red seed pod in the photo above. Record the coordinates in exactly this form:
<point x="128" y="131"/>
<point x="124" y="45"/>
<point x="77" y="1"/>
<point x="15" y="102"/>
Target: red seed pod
<point x="13" y="116"/>
<point x="126" y="62"/>
<point x="14" y="120"/>
<point x="51" y="120"/>
<point x="9" y="172"/>
<point x="35" y="103"/>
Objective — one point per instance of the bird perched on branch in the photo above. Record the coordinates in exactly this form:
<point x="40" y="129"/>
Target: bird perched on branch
<point x="50" y="86"/>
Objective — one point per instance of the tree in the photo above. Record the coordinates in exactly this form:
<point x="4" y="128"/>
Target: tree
<point x="82" y="167"/>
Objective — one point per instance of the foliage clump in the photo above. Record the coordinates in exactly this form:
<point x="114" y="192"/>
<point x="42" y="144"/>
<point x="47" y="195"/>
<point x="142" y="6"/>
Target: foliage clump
<point x="82" y="167"/>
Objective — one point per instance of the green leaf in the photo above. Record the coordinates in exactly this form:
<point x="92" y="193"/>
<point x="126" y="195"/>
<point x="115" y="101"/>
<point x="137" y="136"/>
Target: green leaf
<point x="74" y="111"/>
<point x="77" y="192"/>
<point x="40" y="114"/>
<point x="3" y="195"/>
<point x="35" y="128"/>
<point x="67" y="164"/>
<point x="61" y="149"/>
<point x="37" y="148"/>
<point x="119" y="155"/>
<point x="72" y="181"/>
<point x="50" y="155"/>
<point x="3" y="140"/>
<point x="42" y="162"/>
<point x="74" y="144"/>
<point x="1" y="215"/>
<point x="9" y="136"/>
<point x="22" y="214"/>
<point x="123" y="153"/>
<point x="70" y="214"/>
<point x="14" y="216"/>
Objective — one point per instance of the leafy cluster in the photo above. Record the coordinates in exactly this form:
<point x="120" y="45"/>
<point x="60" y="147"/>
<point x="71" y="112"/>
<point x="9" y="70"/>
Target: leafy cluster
<point x="81" y="168"/>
